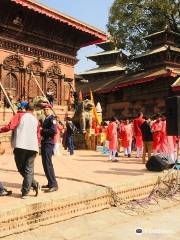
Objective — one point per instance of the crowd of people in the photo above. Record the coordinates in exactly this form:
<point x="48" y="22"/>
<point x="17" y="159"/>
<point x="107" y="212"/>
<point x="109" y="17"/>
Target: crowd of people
<point x="144" y="134"/>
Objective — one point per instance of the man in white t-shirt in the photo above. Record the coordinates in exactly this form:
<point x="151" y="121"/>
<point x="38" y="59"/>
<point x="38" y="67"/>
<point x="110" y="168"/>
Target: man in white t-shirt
<point x="25" y="129"/>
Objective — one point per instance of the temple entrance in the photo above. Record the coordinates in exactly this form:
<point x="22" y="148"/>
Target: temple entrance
<point x="11" y="84"/>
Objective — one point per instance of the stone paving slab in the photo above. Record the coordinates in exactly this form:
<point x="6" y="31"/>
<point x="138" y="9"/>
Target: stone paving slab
<point x="82" y="179"/>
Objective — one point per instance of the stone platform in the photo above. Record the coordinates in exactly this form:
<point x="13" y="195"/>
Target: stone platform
<point x="88" y="182"/>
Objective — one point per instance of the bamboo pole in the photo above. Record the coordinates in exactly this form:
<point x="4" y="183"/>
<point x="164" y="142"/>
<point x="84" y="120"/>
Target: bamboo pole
<point x="9" y="101"/>
<point x="37" y="83"/>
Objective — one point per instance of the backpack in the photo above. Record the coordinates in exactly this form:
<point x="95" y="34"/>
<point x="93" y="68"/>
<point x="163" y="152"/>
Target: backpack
<point x="158" y="163"/>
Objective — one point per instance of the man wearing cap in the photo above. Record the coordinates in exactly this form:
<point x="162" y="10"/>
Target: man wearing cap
<point x="25" y="142"/>
<point x="48" y="132"/>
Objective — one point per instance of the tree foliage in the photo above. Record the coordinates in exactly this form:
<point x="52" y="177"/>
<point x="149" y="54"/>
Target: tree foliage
<point x="131" y="20"/>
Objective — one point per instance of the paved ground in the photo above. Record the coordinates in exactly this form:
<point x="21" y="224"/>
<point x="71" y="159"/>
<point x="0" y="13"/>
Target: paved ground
<point x="86" y="166"/>
<point x="159" y="222"/>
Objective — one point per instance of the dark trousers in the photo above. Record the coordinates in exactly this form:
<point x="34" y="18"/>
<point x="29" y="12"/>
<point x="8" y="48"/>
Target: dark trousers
<point x="1" y="187"/>
<point x="25" y="164"/>
<point x="46" y="153"/>
<point x="70" y="144"/>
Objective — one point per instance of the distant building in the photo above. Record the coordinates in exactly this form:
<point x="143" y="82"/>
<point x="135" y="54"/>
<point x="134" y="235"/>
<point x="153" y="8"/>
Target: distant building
<point x="145" y="90"/>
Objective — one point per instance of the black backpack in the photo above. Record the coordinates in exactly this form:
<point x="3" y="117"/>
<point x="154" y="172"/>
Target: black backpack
<point x="158" y="163"/>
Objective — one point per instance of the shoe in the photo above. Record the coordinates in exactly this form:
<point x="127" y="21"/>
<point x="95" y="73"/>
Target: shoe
<point x="37" y="189"/>
<point x="44" y="186"/>
<point x="129" y="155"/>
<point x="52" y="189"/>
<point x="5" y="192"/>
<point x="25" y="196"/>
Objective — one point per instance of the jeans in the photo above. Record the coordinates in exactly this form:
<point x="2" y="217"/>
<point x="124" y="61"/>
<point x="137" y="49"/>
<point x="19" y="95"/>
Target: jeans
<point x="70" y="144"/>
<point x="47" y="151"/>
<point x="1" y="187"/>
<point x="25" y="164"/>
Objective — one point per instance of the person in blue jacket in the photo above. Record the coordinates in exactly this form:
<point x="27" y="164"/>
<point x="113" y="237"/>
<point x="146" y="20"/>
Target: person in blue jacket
<point x="49" y="129"/>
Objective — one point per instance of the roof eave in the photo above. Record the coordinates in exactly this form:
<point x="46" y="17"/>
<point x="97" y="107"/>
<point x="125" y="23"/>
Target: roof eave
<point x="96" y="33"/>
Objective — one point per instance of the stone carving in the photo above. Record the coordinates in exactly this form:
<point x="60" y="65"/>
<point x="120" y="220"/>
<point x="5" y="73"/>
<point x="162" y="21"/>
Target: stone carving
<point x="13" y="62"/>
<point x="85" y="112"/>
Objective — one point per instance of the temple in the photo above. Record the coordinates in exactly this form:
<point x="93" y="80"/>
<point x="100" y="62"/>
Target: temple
<point x="147" y="89"/>
<point x="38" y="48"/>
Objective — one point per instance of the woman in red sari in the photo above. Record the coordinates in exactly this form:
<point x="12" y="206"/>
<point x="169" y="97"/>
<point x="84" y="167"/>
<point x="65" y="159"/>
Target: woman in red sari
<point x="112" y="138"/>
<point x="126" y="133"/>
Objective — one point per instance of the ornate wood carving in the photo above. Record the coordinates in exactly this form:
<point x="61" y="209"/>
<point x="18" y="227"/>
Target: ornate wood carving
<point x="13" y="62"/>
<point x="36" y="52"/>
<point x="33" y="90"/>
<point x="36" y="66"/>
<point x="52" y="85"/>
<point x="54" y="71"/>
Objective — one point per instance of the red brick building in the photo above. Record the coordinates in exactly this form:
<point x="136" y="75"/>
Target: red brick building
<point x="34" y="38"/>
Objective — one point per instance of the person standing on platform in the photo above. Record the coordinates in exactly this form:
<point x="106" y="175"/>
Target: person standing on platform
<point x="157" y="132"/>
<point x="50" y="96"/>
<point x="167" y="143"/>
<point x="70" y="130"/>
<point x="147" y="138"/>
<point x="112" y="138"/>
<point x="126" y="133"/>
<point x="137" y="133"/>
<point x="48" y="132"/>
<point x="25" y="142"/>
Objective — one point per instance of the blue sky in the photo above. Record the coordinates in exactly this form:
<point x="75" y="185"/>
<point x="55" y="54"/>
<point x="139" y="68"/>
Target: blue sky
<point x="93" y="12"/>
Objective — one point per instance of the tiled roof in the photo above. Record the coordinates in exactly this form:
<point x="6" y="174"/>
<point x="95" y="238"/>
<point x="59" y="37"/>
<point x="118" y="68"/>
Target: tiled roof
<point x="103" y="70"/>
<point x="113" y="84"/>
<point x="157" y="50"/>
<point x="104" y="53"/>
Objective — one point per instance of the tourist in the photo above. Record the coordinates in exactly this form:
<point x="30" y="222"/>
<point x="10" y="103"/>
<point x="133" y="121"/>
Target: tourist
<point x="48" y="132"/>
<point x="25" y="142"/>
<point x="156" y="129"/>
<point x="70" y="130"/>
<point x="168" y="144"/>
<point x="57" y="137"/>
<point x="4" y="191"/>
<point x="126" y="134"/>
<point x="112" y="138"/>
<point x="147" y="138"/>
<point x="137" y="133"/>
<point x="6" y="102"/>
<point x="50" y="96"/>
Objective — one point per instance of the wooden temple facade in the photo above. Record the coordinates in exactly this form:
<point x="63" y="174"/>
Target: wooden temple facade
<point x="37" y="42"/>
<point x="145" y="90"/>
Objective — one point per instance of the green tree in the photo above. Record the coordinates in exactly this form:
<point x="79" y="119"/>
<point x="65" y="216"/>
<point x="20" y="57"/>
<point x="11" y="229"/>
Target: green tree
<point x="131" y="20"/>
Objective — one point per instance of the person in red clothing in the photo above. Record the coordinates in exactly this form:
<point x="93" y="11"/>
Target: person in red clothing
<point x="112" y="138"/>
<point x="126" y="133"/>
<point x="137" y="133"/>
<point x="156" y="129"/>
